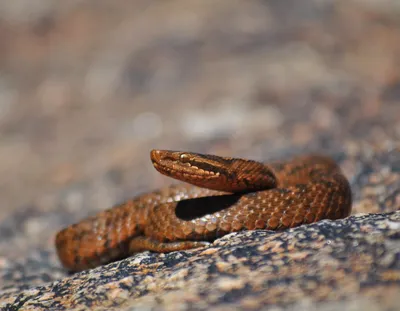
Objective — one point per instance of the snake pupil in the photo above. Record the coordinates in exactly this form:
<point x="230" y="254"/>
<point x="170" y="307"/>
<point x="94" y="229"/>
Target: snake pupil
<point x="184" y="158"/>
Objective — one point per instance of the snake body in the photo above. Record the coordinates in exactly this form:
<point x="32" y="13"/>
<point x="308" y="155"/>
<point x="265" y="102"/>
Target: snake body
<point x="236" y="194"/>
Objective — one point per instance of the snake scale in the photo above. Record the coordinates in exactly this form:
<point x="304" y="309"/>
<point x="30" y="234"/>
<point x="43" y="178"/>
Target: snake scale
<point x="231" y="195"/>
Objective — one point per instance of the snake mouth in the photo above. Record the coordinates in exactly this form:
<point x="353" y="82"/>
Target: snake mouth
<point x="186" y="166"/>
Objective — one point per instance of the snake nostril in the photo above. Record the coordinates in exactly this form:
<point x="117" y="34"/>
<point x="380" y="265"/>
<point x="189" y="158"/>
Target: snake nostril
<point x="155" y="155"/>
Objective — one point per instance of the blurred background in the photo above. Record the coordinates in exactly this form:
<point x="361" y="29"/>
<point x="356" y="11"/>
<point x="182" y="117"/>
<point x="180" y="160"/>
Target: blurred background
<point x="89" y="87"/>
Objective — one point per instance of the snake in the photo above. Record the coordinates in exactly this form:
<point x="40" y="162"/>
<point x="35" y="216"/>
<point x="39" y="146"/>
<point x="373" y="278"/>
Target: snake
<point x="218" y="195"/>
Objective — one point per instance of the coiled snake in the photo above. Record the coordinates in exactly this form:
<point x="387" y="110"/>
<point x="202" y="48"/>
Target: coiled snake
<point x="236" y="194"/>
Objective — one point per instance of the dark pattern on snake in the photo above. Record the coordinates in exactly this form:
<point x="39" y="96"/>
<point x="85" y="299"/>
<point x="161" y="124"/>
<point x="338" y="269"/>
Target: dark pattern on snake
<point x="238" y="195"/>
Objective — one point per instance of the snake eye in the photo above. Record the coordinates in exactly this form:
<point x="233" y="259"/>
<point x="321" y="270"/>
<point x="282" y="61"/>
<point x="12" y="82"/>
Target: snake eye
<point x="184" y="158"/>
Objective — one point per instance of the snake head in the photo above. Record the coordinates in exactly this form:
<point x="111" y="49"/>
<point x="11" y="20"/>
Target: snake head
<point x="213" y="172"/>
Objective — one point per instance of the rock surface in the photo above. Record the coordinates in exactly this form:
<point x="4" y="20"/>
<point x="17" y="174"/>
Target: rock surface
<point x="88" y="88"/>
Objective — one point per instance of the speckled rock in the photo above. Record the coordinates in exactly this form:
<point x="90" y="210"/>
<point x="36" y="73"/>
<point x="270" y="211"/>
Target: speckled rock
<point x="88" y="88"/>
<point x="355" y="258"/>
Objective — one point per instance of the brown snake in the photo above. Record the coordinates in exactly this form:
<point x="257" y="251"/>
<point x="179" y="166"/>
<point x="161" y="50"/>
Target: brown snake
<point x="237" y="194"/>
